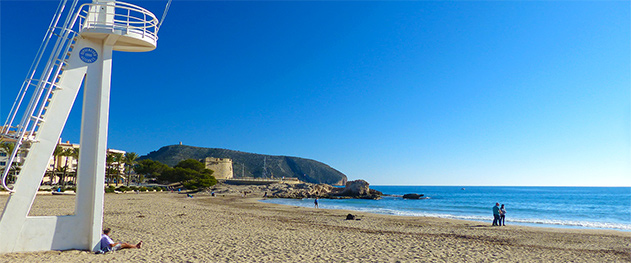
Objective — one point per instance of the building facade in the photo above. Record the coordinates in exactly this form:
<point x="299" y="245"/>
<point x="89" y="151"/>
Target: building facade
<point x="64" y="160"/>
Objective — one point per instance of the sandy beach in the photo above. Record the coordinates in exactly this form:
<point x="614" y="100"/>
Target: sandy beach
<point x="230" y="228"/>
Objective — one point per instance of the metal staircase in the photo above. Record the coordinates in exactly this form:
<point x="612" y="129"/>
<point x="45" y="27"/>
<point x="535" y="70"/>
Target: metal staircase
<point x="40" y="85"/>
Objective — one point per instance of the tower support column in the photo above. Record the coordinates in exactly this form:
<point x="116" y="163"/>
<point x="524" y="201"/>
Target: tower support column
<point x="91" y="171"/>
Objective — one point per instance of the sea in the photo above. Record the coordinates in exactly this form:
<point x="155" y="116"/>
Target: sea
<point x="556" y="207"/>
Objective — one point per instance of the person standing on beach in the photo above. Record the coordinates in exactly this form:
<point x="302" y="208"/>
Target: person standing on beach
<point x="496" y="214"/>
<point x="316" y="202"/>
<point x="502" y="215"/>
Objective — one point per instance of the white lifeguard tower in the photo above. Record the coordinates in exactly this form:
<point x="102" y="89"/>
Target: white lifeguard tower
<point x="74" y="51"/>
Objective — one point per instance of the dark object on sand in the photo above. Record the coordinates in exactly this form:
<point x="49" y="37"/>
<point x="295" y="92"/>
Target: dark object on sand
<point x="350" y="217"/>
<point x="63" y="193"/>
<point x="412" y="196"/>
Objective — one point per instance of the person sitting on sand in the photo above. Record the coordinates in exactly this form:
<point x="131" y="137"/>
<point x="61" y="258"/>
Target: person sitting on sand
<point x="108" y="245"/>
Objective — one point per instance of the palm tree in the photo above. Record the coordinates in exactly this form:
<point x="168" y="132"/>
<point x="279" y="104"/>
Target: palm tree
<point x="130" y="161"/>
<point x="75" y="155"/>
<point x="65" y="153"/>
<point x="59" y="151"/>
<point x="108" y="167"/>
<point x="7" y="148"/>
<point x="61" y="173"/>
<point x="118" y="159"/>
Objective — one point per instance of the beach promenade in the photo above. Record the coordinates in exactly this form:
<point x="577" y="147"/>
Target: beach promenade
<point x="229" y="228"/>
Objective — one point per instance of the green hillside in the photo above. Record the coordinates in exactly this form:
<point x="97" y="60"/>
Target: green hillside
<point x="251" y="164"/>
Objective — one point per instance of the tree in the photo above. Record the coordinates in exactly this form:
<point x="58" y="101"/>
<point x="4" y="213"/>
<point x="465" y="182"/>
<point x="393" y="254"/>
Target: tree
<point x="150" y="168"/>
<point x="191" y="164"/>
<point x="56" y="154"/>
<point x="118" y="159"/>
<point x="64" y="170"/>
<point x="75" y="154"/>
<point x="8" y="148"/>
<point x="130" y="162"/>
<point x="191" y="173"/>
<point x="109" y="160"/>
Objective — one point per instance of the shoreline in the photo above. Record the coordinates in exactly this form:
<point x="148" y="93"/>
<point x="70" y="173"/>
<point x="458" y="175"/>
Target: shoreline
<point x="464" y="221"/>
<point x="229" y="228"/>
<point x="455" y="217"/>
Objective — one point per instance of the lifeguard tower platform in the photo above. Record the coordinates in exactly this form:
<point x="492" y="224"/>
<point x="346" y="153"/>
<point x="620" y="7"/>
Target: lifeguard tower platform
<point x="77" y="49"/>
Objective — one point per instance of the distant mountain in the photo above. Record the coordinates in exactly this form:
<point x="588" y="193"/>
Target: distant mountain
<point x="251" y="164"/>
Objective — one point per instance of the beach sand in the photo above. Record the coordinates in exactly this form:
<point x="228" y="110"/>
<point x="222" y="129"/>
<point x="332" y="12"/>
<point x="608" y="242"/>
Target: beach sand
<point x="231" y="228"/>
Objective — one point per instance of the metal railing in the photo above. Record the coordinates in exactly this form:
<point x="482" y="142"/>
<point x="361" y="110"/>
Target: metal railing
<point x="124" y="16"/>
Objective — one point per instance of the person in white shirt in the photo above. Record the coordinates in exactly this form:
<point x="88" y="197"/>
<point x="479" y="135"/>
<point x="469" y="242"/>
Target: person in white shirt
<point x="502" y="215"/>
<point x="107" y="244"/>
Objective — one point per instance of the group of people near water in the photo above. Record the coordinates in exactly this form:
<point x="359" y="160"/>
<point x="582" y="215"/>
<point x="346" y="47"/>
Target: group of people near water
<point x="499" y="215"/>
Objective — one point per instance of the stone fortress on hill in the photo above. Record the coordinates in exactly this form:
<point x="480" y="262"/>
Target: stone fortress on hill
<point x="222" y="167"/>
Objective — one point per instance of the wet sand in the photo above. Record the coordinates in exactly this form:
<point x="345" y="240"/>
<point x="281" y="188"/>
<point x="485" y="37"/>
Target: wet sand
<point x="231" y="228"/>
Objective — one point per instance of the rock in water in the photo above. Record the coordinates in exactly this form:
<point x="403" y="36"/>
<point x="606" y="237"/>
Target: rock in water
<point x="412" y="196"/>
<point x="356" y="188"/>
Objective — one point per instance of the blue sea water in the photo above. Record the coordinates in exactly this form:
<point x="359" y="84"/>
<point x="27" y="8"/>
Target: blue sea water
<point x="574" y="207"/>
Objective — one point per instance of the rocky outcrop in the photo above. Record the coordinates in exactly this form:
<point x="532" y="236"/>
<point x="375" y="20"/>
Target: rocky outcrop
<point x="358" y="189"/>
<point x="305" y="190"/>
<point x="412" y="196"/>
<point x="353" y="189"/>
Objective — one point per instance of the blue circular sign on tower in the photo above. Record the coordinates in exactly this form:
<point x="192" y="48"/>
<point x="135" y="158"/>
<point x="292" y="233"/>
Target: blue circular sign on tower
<point x="88" y="55"/>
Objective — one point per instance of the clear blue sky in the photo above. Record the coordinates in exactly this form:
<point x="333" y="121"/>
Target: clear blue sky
<point x="396" y="93"/>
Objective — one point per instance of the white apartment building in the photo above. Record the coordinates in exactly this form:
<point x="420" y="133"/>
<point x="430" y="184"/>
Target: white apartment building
<point x="58" y="162"/>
